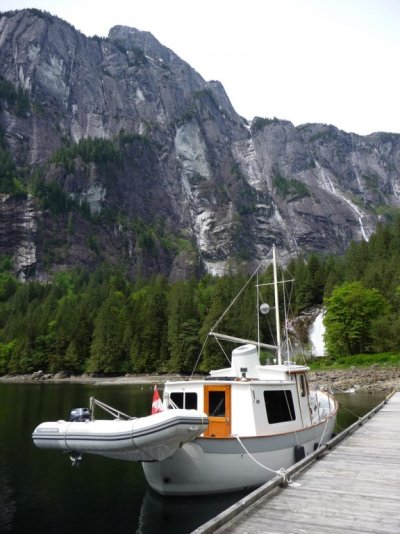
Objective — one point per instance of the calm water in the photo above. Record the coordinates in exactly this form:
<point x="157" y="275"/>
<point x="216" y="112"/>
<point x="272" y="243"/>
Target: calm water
<point x="40" y="491"/>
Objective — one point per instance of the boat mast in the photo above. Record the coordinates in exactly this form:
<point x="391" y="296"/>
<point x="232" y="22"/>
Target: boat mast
<point x="258" y="318"/>
<point x="277" y="320"/>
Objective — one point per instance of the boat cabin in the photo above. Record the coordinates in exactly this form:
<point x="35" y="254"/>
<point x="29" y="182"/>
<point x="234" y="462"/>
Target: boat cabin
<point x="247" y="399"/>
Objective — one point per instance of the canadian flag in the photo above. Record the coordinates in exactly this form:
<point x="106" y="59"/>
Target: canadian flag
<point x="156" y="405"/>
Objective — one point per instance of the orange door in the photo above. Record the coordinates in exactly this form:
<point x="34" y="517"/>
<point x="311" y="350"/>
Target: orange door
<point x="217" y="405"/>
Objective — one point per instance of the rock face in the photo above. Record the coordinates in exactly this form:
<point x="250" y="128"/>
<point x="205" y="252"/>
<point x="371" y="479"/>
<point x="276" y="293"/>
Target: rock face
<point x="18" y="229"/>
<point x="190" y="184"/>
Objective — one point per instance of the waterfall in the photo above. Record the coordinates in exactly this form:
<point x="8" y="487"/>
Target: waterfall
<point x="316" y="335"/>
<point x="328" y="185"/>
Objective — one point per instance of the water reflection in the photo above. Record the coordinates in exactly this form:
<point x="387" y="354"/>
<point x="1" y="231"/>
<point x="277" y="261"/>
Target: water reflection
<point x="8" y="505"/>
<point x="180" y="514"/>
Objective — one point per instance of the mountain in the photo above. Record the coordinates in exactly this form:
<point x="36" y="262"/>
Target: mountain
<point x="114" y="149"/>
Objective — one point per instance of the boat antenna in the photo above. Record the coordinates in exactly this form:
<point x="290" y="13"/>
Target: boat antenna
<point x="277" y="320"/>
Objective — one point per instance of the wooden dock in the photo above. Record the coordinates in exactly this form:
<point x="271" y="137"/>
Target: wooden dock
<point x="352" y="486"/>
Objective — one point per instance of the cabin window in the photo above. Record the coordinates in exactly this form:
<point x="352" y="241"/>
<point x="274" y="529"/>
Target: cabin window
<point x="186" y="400"/>
<point x="279" y="406"/>
<point x="216" y="403"/>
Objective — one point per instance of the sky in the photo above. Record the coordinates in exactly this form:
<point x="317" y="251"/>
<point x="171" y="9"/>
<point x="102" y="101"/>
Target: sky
<point x="323" y="61"/>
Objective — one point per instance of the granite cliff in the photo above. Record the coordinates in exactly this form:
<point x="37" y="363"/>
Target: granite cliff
<point x="120" y="151"/>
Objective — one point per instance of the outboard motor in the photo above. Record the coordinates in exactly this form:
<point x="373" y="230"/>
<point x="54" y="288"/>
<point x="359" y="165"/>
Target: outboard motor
<point x="78" y="415"/>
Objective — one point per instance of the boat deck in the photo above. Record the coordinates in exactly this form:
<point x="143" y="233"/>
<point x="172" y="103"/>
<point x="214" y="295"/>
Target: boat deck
<point x="354" y="488"/>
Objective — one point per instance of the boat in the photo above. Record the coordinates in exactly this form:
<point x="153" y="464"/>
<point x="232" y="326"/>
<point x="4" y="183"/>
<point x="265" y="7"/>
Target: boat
<point x="144" y="439"/>
<point x="245" y="423"/>
<point x="262" y="418"/>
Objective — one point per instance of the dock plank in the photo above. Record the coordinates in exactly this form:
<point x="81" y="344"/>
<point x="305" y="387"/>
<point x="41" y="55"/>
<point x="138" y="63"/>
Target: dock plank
<point x="354" y="488"/>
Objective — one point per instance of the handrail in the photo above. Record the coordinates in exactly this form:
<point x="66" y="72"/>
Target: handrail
<point x="109" y="409"/>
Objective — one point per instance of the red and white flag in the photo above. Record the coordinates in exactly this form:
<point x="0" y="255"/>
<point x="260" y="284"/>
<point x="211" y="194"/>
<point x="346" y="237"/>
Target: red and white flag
<point x="156" y="406"/>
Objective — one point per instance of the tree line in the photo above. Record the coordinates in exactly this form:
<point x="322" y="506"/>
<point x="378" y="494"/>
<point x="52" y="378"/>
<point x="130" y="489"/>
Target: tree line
<point x="101" y="322"/>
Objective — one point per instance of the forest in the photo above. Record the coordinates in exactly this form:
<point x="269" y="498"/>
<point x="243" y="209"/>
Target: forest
<point x="101" y="322"/>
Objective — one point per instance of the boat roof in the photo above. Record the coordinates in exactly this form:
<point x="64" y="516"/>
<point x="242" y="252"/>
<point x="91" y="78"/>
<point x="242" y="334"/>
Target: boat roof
<point x="266" y="374"/>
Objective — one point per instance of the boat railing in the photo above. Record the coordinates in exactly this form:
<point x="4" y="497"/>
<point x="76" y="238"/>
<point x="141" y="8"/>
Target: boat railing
<point x="117" y="414"/>
<point x="323" y="402"/>
<point x="172" y="404"/>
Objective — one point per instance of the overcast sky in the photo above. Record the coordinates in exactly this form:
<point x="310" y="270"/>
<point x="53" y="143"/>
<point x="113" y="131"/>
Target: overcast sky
<point x="325" y="61"/>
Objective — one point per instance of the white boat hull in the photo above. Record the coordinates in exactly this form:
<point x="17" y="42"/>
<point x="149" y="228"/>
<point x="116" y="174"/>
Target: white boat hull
<point x="145" y="439"/>
<point x="209" y="465"/>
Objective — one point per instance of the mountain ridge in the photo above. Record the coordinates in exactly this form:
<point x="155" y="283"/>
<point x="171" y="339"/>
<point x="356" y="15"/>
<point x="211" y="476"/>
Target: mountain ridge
<point x="177" y="182"/>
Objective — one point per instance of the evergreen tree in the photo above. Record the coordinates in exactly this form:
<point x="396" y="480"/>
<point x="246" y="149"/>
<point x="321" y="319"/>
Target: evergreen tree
<point x="8" y="286"/>
<point x="183" y="327"/>
<point x="72" y="360"/>
<point x="317" y="274"/>
<point x="334" y="274"/>
<point x="356" y="260"/>
<point x="108" y="353"/>
<point x="304" y="289"/>
<point x="6" y="350"/>
<point x="148" y="327"/>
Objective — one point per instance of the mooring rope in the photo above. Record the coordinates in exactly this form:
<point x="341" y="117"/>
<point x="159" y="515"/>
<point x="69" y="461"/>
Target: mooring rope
<point x="358" y="417"/>
<point x="323" y="433"/>
<point x="281" y="472"/>
<point x="350" y="412"/>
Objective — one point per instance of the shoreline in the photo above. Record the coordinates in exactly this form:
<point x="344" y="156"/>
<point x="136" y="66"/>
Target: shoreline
<point x="371" y="379"/>
<point x="363" y="379"/>
<point x="42" y="378"/>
